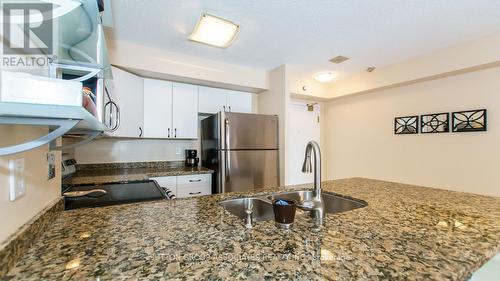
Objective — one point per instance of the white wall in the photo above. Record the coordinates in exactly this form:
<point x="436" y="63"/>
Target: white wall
<point x="40" y="192"/>
<point x="465" y="57"/>
<point x="275" y="101"/>
<point x="308" y="87"/>
<point x="184" y="68"/>
<point x="359" y="134"/>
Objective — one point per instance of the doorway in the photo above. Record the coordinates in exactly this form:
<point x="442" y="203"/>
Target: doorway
<point x="303" y="127"/>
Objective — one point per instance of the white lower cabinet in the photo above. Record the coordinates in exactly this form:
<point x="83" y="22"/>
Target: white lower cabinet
<point x="194" y="185"/>
<point x="187" y="186"/>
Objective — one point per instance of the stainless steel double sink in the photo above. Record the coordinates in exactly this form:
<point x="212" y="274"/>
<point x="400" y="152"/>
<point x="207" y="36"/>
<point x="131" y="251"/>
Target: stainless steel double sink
<point x="263" y="209"/>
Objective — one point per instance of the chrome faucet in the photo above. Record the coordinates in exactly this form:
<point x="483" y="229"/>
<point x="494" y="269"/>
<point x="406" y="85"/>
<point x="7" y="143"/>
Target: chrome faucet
<point x="248" y="219"/>
<point x="315" y="205"/>
<point x="307" y="166"/>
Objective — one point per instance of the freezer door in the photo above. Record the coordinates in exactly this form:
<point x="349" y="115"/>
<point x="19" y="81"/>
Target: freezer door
<point x="245" y="170"/>
<point x="248" y="131"/>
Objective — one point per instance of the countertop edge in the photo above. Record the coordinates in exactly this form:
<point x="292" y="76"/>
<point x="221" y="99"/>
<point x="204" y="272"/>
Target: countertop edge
<point x="19" y="242"/>
<point x="133" y="176"/>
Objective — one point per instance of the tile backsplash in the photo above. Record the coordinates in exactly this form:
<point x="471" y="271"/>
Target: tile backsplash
<point x="112" y="150"/>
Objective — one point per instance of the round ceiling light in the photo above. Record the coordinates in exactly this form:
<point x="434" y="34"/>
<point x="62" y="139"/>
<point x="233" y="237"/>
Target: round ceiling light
<point x="325" y="76"/>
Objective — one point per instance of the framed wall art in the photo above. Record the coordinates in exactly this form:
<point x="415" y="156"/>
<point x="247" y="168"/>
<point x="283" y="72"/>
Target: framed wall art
<point x="469" y="121"/>
<point x="435" y="123"/>
<point x="406" y="125"/>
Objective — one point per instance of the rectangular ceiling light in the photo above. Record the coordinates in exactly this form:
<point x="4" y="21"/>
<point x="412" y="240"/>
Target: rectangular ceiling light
<point x="214" y="31"/>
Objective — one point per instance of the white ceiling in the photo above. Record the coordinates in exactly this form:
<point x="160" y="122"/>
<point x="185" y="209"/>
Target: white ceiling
<point x="305" y="34"/>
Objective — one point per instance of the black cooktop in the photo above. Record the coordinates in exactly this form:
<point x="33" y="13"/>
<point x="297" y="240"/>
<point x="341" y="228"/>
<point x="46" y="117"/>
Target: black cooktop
<point x="115" y="193"/>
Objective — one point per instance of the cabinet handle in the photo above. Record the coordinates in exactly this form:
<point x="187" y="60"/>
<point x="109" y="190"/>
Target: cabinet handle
<point x="175" y="132"/>
<point x="224" y="107"/>
<point x="140" y="134"/>
<point x="193" y="193"/>
<point x="168" y="134"/>
<point x="195" y="180"/>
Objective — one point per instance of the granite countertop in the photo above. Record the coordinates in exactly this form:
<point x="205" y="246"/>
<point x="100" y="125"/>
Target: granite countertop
<point x="118" y="174"/>
<point x="405" y="233"/>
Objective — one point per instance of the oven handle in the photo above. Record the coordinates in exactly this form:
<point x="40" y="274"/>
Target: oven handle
<point x="96" y="193"/>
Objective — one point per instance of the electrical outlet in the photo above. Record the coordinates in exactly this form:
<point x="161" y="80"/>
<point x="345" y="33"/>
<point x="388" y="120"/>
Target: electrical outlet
<point x="178" y="151"/>
<point x="16" y="178"/>
<point x="51" y="165"/>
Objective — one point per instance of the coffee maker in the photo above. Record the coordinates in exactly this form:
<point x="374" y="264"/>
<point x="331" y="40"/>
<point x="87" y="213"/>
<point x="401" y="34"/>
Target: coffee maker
<point x="191" y="158"/>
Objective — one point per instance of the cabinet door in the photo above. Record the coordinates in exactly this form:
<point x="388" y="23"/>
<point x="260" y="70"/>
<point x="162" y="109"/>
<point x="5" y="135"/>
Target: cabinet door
<point x="239" y="101"/>
<point x="212" y="100"/>
<point x="127" y="92"/>
<point x="157" y="108"/>
<point x="185" y="111"/>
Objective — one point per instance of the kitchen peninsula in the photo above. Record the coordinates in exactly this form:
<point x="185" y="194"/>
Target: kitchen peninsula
<point x="404" y="233"/>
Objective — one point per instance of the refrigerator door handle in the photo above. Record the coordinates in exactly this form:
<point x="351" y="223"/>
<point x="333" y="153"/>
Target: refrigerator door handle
<point x="226" y="151"/>
<point x="221" y="176"/>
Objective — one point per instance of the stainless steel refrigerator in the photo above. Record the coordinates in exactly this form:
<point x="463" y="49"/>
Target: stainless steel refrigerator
<point x="242" y="149"/>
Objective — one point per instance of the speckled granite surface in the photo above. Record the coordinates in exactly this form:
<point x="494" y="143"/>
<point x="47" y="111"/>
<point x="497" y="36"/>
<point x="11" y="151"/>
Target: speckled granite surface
<point x="405" y="233"/>
<point x="117" y="172"/>
<point x="19" y="243"/>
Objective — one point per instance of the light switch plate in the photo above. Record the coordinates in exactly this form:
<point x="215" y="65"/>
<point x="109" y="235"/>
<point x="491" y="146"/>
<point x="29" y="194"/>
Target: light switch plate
<point x="16" y="178"/>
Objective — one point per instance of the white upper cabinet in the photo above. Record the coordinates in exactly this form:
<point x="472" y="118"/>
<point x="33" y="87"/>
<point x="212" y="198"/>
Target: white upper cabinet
<point x="127" y="92"/>
<point x="170" y="110"/>
<point x="185" y="111"/>
<point x="212" y="100"/>
<point x="239" y="101"/>
<point x="157" y="108"/>
<point x="152" y="108"/>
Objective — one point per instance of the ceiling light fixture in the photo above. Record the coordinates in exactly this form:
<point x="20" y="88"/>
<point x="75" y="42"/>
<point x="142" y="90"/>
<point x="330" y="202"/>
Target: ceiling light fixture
<point x="339" y="59"/>
<point x="325" y="76"/>
<point x="214" y="31"/>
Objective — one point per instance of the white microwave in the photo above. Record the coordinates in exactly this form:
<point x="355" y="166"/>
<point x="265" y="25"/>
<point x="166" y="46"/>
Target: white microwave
<point x="96" y="97"/>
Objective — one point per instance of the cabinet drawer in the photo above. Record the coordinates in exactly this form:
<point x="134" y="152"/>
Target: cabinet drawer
<point x="193" y="191"/>
<point x="203" y="180"/>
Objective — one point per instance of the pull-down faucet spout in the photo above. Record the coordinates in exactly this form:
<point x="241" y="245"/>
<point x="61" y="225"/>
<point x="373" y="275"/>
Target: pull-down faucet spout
<point x="315" y="205"/>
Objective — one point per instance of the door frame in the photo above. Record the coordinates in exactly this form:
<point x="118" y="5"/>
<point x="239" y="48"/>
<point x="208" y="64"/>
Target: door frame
<point x="318" y="105"/>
